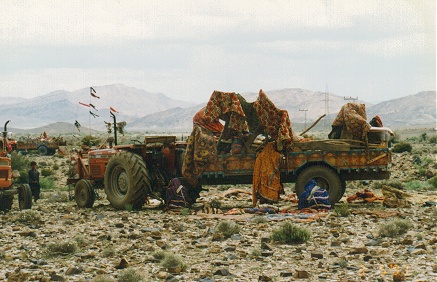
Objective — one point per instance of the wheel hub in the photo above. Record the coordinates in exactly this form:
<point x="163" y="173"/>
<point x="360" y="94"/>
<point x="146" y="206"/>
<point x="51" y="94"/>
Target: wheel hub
<point x="123" y="182"/>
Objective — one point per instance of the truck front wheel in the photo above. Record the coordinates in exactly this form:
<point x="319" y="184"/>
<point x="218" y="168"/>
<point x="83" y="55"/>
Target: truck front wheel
<point x="325" y="178"/>
<point x="24" y="197"/>
<point x="84" y="194"/>
<point x="127" y="181"/>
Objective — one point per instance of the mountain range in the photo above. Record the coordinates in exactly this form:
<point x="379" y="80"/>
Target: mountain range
<point x="154" y="112"/>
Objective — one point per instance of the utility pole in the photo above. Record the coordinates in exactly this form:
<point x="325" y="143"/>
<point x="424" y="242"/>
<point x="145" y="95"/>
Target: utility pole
<point x="350" y="98"/>
<point x="326" y="100"/>
<point x="304" y="110"/>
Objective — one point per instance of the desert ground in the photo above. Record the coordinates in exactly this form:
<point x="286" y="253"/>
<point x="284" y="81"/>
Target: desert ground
<point x="57" y="241"/>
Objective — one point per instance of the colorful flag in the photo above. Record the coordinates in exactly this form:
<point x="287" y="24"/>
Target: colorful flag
<point x="93" y="107"/>
<point x="83" y="104"/>
<point x="113" y="110"/>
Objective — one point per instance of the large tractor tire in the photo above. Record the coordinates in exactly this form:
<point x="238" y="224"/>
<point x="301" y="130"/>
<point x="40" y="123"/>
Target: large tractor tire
<point x="127" y="181"/>
<point x="6" y="202"/>
<point x="43" y="150"/>
<point x="325" y="178"/>
<point x="24" y="197"/>
<point x="84" y="194"/>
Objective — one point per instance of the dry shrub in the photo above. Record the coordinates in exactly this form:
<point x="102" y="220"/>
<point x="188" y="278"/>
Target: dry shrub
<point x="290" y="233"/>
<point x="227" y="228"/>
<point x="395" y="227"/>
<point x="130" y="275"/>
<point x="62" y="248"/>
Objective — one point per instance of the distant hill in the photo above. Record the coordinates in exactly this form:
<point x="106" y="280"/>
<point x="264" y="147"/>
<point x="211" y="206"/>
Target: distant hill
<point x="63" y="106"/>
<point x="153" y="112"/>
<point x="412" y="110"/>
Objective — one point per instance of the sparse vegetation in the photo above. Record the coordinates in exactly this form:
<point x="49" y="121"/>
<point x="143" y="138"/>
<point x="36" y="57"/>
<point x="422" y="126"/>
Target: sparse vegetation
<point x="103" y="278"/>
<point x="259" y="219"/>
<point x="62" y="248"/>
<point x="342" y="209"/>
<point x="227" y="228"/>
<point x="402" y="147"/>
<point x="47" y="183"/>
<point x="108" y="251"/>
<point x="343" y="263"/>
<point x="433" y="182"/>
<point x="90" y="140"/>
<point x="20" y="163"/>
<point x="130" y="275"/>
<point x="173" y="261"/>
<point x="290" y="233"/>
<point x="395" y="184"/>
<point x="395" y="227"/>
<point x="28" y="216"/>
<point x="255" y="253"/>
<point x="46" y="172"/>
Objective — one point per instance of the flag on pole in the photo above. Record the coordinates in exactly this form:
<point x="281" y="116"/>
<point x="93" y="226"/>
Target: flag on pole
<point x="83" y="104"/>
<point x="113" y="110"/>
<point x="93" y="93"/>
<point x="93" y="114"/>
<point x="77" y="124"/>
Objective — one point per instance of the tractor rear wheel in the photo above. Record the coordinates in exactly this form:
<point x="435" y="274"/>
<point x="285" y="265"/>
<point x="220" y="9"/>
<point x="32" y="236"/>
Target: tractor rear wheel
<point x="24" y="197"/>
<point x="325" y="178"/>
<point x="84" y="194"/>
<point x="127" y="181"/>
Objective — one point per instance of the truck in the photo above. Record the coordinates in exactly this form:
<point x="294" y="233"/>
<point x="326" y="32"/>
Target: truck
<point x="131" y="173"/>
<point x="7" y="188"/>
<point x="43" y="144"/>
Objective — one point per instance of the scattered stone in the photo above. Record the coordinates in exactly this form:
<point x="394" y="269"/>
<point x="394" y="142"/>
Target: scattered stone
<point x="317" y="255"/>
<point x="72" y="270"/>
<point x="222" y="272"/>
<point x="230" y="249"/>
<point x="302" y="274"/>
<point x="264" y="278"/>
<point x="358" y="250"/>
<point x="122" y="264"/>
<point x="286" y="274"/>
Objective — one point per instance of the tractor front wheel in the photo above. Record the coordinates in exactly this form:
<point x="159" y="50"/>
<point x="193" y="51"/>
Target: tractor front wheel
<point x="84" y="194"/>
<point x="24" y="197"/>
<point x="127" y="181"/>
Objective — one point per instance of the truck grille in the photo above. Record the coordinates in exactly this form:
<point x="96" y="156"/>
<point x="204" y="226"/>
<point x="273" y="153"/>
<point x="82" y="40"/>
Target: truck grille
<point x="95" y="170"/>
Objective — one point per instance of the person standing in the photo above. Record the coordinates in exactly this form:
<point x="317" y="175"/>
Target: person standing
<point x="34" y="181"/>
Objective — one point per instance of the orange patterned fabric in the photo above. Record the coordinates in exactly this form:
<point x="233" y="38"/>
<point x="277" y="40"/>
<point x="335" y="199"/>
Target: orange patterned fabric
<point x="266" y="183"/>
<point x="353" y="117"/>
<point x="201" y="150"/>
<point x="226" y="103"/>
<point x="276" y="122"/>
<point x="199" y="119"/>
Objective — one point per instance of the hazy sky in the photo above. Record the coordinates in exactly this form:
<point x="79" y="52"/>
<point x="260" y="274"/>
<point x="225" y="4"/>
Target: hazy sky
<point x="374" y="50"/>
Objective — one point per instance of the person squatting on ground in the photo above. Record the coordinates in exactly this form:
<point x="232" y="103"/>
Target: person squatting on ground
<point x="34" y="181"/>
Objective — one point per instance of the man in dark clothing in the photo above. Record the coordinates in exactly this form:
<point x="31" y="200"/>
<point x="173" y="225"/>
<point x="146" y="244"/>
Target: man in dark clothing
<point x="34" y="181"/>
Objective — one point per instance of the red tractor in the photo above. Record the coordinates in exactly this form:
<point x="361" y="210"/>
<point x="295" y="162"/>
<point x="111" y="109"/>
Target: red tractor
<point x="7" y="189"/>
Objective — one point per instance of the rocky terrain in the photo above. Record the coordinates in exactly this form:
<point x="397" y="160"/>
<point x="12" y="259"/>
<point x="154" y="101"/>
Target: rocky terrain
<point x="56" y="241"/>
